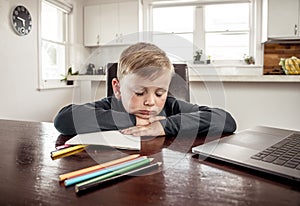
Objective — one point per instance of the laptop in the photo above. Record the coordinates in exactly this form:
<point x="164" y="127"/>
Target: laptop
<point x="271" y="150"/>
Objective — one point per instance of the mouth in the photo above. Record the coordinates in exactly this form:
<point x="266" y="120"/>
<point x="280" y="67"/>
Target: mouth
<point x="147" y="112"/>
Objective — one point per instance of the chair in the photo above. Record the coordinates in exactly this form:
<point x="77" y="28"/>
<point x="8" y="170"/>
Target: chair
<point x="179" y="86"/>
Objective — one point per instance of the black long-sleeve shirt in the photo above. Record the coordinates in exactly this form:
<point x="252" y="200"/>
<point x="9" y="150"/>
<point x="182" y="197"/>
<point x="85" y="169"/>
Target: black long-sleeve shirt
<point x="182" y="118"/>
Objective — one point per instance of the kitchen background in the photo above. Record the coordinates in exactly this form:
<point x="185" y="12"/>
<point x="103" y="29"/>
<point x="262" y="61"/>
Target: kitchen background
<point x="251" y="102"/>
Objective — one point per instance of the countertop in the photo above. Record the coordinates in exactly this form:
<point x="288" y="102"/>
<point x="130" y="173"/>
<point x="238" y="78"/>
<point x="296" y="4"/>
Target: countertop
<point x="210" y="78"/>
<point x="217" y="73"/>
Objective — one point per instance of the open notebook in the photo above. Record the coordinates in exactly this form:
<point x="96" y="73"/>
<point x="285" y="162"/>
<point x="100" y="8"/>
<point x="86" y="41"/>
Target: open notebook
<point x="108" y="138"/>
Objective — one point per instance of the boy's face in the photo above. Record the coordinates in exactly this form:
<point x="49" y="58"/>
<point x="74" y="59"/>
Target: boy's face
<point x="144" y="97"/>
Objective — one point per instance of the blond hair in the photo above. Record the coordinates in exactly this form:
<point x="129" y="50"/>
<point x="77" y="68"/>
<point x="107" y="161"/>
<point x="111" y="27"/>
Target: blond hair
<point x="145" y="60"/>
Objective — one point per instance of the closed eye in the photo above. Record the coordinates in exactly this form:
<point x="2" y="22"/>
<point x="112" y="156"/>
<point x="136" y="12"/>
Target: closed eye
<point x="160" y="93"/>
<point x="139" y="93"/>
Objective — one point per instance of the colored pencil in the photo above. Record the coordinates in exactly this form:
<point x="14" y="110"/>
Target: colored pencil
<point x="114" y="173"/>
<point x="85" y="186"/>
<point x="96" y="167"/>
<point x="68" y="154"/>
<point x="72" y="181"/>
<point x="61" y="152"/>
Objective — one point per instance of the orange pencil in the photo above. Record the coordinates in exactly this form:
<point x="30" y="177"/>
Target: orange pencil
<point x="96" y="167"/>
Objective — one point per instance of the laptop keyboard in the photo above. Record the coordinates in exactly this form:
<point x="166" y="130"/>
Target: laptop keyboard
<point x="285" y="153"/>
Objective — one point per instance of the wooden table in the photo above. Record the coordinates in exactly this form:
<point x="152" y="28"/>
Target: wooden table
<point x="30" y="177"/>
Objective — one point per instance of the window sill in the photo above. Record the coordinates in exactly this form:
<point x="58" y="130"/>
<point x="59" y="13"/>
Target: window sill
<point x="87" y="77"/>
<point x="56" y="86"/>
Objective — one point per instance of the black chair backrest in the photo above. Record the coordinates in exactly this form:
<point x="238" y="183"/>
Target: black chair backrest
<point x="179" y="86"/>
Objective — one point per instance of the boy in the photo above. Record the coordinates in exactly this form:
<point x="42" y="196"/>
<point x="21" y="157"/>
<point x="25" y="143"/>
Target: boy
<point x="140" y="105"/>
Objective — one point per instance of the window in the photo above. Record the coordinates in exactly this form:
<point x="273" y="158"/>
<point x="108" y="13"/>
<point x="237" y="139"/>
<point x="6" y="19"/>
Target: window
<point x="174" y="20"/>
<point x="54" y="43"/>
<point x="222" y="31"/>
<point x="168" y="21"/>
<point x="227" y="31"/>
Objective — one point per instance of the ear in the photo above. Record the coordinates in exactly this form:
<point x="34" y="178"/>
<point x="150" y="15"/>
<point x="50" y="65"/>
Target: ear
<point x="116" y="87"/>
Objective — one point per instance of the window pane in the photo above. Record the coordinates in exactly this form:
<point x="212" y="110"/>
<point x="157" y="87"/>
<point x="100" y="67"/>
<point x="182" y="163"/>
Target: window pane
<point x="227" y="46"/>
<point x="176" y="25"/>
<point x="227" y="17"/>
<point x="52" y="23"/>
<point x="173" y="19"/>
<point x="182" y="50"/>
<point x="53" y="60"/>
<point x="227" y="29"/>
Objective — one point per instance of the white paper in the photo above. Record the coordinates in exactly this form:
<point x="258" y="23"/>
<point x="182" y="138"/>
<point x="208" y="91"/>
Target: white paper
<point x="108" y="138"/>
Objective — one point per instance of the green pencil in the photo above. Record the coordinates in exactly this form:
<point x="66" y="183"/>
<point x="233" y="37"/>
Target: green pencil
<point x="114" y="173"/>
<point x="137" y="172"/>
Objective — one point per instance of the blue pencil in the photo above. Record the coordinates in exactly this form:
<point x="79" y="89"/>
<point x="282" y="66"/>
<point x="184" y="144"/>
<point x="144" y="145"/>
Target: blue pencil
<point x="116" y="176"/>
<point x="97" y="173"/>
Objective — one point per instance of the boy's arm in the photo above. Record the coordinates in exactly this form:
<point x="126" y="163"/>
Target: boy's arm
<point x="186" y="119"/>
<point x="92" y="117"/>
<point x="152" y="127"/>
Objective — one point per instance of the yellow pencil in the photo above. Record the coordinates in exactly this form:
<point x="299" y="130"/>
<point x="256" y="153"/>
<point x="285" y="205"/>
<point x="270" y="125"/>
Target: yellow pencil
<point x="68" y="154"/>
<point x="61" y="152"/>
<point x="96" y="167"/>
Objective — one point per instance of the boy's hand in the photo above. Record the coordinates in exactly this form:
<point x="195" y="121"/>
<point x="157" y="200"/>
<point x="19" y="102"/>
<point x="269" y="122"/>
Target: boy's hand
<point x="153" y="128"/>
<point x="156" y="118"/>
<point x="143" y="122"/>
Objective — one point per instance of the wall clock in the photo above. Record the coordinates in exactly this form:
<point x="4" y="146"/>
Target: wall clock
<point x="21" y="20"/>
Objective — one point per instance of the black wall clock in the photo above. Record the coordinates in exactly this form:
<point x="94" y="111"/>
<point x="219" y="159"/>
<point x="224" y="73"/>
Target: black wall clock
<point x="21" y="20"/>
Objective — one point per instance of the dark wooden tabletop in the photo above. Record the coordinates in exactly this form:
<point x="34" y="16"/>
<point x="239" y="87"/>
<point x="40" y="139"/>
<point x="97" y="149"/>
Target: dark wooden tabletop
<point x="28" y="175"/>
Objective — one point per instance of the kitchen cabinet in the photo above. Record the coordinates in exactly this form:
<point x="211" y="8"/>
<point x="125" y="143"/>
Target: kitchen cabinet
<point x="109" y="23"/>
<point x="129" y="19"/>
<point x="91" y="23"/>
<point x="282" y="18"/>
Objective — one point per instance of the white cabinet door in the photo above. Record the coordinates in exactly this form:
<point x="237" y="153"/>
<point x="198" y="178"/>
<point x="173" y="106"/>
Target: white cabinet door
<point x="91" y="24"/>
<point x="283" y="18"/>
<point x="128" y="21"/>
<point x="109" y="23"/>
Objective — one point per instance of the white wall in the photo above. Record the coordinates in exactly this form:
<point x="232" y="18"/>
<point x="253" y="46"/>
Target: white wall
<point x="251" y="104"/>
<point x="20" y="98"/>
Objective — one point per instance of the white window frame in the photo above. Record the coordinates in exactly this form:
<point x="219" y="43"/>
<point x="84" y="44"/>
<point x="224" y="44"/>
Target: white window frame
<point x="249" y="30"/>
<point x="254" y="48"/>
<point x="54" y="83"/>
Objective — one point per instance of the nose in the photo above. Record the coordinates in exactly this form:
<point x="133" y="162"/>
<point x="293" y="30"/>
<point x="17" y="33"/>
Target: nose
<point x="149" y="100"/>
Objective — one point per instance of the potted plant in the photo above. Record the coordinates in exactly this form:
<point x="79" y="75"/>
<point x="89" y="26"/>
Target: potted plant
<point x="248" y="59"/>
<point x="69" y="72"/>
<point x="197" y="56"/>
